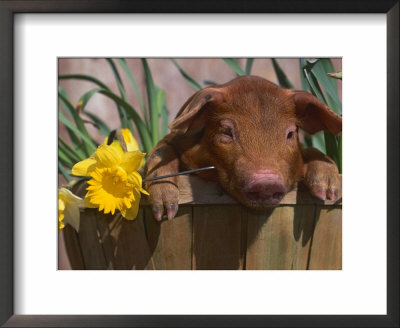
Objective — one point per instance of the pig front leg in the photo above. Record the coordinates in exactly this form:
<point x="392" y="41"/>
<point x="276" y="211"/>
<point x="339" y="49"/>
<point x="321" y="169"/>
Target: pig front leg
<point x="164" y="193"/>
<point x="321" y="175"/>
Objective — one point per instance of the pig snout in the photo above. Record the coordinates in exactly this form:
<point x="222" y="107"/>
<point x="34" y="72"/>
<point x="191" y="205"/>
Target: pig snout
<point x="264" y="188"/>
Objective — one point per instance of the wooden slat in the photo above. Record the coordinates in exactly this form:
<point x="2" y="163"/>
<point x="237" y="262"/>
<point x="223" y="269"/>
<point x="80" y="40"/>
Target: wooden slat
<point x="73" y="248"/>
<point x="89" y="239"/>
<point x="217" y="238"/>
<point x="124" y="242"/>
<point x="103" y="221"/>
<point x="326" y="248"/>
<point x="303" y="229"/>
<point x="279" y="239"/>
<point x="213" y="236"/>
<point x="193" y="190"/>
<point x="171" y="241"/>
<point x="131" y="250"/>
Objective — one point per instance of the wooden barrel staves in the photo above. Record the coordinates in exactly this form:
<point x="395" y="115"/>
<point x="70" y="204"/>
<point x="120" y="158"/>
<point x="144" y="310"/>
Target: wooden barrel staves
<point x="212" y="231"/>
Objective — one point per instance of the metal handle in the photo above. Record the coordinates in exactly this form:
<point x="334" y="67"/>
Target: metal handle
<point x="180" y="173"/>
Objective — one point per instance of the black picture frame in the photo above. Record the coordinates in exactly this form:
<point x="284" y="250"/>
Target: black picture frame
<point x="7" y="11"/>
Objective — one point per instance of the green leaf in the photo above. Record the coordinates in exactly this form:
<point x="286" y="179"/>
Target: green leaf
<point x="77" y="143"/>
<point x="339" y="142"/>
<point x="63" y="158"/>
<point x="311" y="61"/>
<point x="192" y="82"/>
<point x="327" y="65"/>
<point x="99" y="83"/>
<point x="234" y="65"/>
<point x="84" y="99"/>
<point x="313" y="85"/>
<point x="337" y="75"/>
<point x="304" y="83"/>
<point x="103" y="128"/>
<point x="64" y="172"/>
<point x="320" y="71"/>
<point x="282" y="78"/>
<point x="131" y="112"/>
<point x="164" y="120"/>
<point x="129" y="74"/>
<point x="83" y="77"/>
<point x="124" y="121"/>
<point x="72" y="155"/>
<point x="207" y="82"/>
<point x="88" y="142"/>
<point x="318" y="141"/>
<point x="164" y="113"/>
<point x="160" y="99"/>
<point x="152" y="99"/>
<point x="249" y="65"/>
<point x="331" y="147"/>
<point x="330" y="140"/>
<point x="76" y="118"/>
<point x="118" y="79"/>
<point x="307" y="140"/>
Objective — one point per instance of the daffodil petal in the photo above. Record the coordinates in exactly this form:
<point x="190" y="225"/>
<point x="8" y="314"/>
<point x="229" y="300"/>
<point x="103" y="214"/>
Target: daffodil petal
<point x="108" y="155"/>
<point x="87" y="203"/>
<point x="132" y="161"/>
<point x="131" y="213"/>
<point x="72" y="216"/>
<point x="130" y="141"/>
<point x="144" y="191"/>
<point x="127" y="202"/>
<point x="85" y="167"/>
<point x="136" y="179"/>
<point x="112" y="206"/>
<point x="117" y="146"/>
<point x="61" y="205"/>
<point x="71" y="198"/>
<point x="61" y="224"/>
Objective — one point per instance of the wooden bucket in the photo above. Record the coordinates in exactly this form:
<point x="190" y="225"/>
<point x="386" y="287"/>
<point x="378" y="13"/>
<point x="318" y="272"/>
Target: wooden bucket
<point x="212" y="231"/>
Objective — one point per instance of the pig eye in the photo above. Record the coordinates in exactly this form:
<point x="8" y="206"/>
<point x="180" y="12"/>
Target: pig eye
<point x="290" y="133"/>
<point x="227" y="132"/>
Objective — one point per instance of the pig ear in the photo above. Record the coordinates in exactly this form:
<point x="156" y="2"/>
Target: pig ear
<point x="313" y="115"/>
<point x="191" y="115"/>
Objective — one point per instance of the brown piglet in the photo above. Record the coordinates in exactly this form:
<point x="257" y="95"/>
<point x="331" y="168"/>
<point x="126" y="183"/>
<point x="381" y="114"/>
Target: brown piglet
<point x="248" y="129"/>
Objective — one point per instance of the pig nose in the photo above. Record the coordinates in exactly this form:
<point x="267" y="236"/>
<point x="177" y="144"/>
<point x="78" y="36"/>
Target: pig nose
<point x="265" y="188"/>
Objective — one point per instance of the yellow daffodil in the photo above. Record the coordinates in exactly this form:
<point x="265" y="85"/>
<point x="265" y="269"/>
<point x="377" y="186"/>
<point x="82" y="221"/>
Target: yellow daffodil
<point x="115" y="183"/>
<point x="130" y="141"/>
<point x="68" y="209"/>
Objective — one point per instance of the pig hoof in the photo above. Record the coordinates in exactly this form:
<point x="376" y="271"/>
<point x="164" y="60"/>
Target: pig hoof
<point x="165" y="200"/>
<point x="323" y="181"/>
<point x="158" y="212"/>
<point x="324" y="193"/>
<point x="172" y="209"/>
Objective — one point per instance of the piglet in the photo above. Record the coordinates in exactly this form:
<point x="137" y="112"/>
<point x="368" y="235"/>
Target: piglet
<point x="248" y="129"/>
